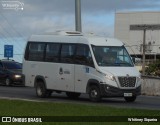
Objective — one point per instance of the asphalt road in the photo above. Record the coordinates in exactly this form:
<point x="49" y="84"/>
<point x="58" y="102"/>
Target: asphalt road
<point x="27" y="93"/>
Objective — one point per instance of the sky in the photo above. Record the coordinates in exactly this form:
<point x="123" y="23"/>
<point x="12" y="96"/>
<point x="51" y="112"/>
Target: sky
<point x="38" y="16"/>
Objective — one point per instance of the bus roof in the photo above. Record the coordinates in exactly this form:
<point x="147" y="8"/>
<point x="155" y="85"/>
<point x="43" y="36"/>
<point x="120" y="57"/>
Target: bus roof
<point x="75" y="37"/>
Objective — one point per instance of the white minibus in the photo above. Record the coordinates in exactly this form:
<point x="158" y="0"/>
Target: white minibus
<point x="75" y="63"/>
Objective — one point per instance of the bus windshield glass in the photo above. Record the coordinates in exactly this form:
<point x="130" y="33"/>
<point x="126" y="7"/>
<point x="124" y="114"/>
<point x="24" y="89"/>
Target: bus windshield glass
<point x="112" y="56"/>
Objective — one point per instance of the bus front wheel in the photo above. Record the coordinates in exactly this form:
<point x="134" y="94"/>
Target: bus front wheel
<point x="94" y="93"/>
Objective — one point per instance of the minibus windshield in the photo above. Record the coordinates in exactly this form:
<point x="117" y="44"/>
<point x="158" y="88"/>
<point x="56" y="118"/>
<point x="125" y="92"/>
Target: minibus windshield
<point x="112" y="56"/>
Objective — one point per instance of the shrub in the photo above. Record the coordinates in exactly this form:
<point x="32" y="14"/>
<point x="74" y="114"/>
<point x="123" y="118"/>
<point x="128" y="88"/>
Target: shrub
<point x="153" y="69"/>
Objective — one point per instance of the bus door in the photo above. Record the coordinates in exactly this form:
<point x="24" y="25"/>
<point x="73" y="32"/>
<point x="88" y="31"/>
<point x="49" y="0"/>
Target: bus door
<point x="66" y="68"/>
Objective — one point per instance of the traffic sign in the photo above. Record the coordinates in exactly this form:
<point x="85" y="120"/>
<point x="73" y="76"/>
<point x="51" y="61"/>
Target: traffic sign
<point x="145" y="27"/>
<point x="8" y="51"/>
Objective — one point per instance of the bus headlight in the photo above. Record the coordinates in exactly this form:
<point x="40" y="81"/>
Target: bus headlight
<point x="138" y="79"/>
<point x="110" y="77"/>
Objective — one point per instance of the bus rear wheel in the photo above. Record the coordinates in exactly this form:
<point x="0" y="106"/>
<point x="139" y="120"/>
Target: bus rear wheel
<point x="41" y="89"/>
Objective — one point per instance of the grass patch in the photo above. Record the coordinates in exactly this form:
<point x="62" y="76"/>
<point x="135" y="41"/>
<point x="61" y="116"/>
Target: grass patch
<point x="26" y="108"/>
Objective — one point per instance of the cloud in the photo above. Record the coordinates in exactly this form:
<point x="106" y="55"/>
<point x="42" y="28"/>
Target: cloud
<point x="49" y="15"/>
<point x="88" y="6"/>
<point x="57" y="6"/>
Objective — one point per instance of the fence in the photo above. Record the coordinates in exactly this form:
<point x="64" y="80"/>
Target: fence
<point x="151" y="86"/>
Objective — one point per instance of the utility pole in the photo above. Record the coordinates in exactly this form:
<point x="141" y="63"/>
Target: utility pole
<point x="144" y="27"/>
<point x="78" y="24"/>
<point x="144" y="51"/>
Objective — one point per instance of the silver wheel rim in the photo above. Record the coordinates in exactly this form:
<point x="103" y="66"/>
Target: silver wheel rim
<point x="7" y="82"/>
<point x="39" y="91"/>
<point x="94" y="93"/>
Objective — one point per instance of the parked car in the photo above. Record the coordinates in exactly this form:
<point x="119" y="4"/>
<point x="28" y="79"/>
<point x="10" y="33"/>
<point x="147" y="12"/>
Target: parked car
<point x="10" y="72"/>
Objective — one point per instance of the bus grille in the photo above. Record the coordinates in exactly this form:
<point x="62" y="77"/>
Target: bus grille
<point x="127" y="81"/>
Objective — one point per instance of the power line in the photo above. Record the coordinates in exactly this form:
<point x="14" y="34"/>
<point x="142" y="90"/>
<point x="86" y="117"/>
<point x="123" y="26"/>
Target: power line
<point x="144" y="28"/>
<point x="9" y="34"/>
<point x="11" y="25"/>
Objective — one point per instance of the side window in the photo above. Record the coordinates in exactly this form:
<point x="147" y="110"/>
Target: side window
<point x="36" y="51"/>
<point x="67" y="53"/>
<point x="1" y="67"/>
<point x="52" y="52"/>
<point x="83" y="55"/>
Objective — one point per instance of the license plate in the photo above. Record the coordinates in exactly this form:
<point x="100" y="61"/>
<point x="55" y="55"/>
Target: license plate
<point x="128" y="94"/>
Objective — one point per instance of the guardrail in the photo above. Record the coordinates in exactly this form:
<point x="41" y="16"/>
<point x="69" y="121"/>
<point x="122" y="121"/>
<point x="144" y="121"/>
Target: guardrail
<point x="150" y="77"/>
<point x="151" y="85"/>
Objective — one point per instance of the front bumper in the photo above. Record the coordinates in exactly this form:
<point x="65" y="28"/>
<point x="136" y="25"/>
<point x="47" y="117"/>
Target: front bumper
<point x="110" y="91"/>
<point x="17" y="81"/>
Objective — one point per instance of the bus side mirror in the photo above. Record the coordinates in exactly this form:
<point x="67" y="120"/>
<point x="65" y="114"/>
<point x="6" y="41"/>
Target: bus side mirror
<point x="134" y="60"/>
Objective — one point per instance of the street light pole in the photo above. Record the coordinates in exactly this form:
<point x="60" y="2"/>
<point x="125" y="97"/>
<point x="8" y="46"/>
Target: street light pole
<point x="144" y="50"/>
<point x="78" y="15"/>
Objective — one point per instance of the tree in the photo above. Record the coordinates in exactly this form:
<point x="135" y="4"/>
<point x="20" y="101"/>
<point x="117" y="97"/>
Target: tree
<point x="153" y="69"/>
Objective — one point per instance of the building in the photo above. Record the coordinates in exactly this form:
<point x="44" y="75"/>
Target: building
<point x="133" y="39"/>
